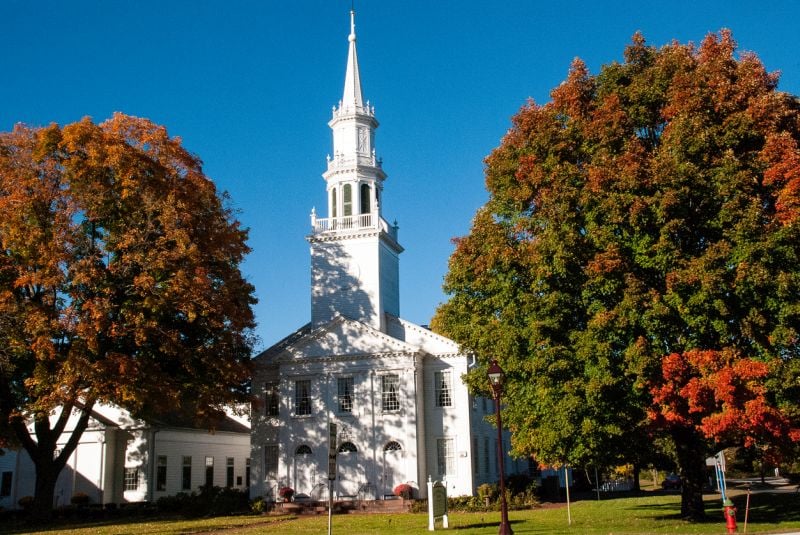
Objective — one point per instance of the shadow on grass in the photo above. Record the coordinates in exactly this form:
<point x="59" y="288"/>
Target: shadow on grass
<point x="26" y="525"/>
<point x="769" y="508"/>
<point x="485" y="524"/>
<point x="772" y="508"/>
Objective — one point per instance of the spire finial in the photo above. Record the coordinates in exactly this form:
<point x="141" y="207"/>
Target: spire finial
<point x="352" y="82"/>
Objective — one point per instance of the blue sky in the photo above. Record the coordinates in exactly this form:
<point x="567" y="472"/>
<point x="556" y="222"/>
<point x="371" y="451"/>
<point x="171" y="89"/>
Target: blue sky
<point x="249" y="85"/>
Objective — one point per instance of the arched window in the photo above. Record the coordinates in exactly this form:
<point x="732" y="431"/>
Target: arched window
<point x="365" y="198"/>
<point x="302" y="449"/>
<point x="392" y="446"/>
<point x="347" y="447"/>
<point x="333" y="202"/>
<point x="347" y="198"/>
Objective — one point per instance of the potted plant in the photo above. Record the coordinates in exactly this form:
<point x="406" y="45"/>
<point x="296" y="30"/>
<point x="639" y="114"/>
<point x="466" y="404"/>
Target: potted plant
<point x="286" y="493"/>
<point x="403" y="490"/>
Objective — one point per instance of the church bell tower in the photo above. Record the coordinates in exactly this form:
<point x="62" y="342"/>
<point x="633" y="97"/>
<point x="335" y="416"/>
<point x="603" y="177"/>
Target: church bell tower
<point x="354" y="251"/>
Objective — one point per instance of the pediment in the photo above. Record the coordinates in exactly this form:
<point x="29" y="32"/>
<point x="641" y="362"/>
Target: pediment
<point x="343" y="337"/>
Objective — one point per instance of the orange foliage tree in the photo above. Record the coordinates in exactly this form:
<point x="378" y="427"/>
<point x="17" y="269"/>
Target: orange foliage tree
<point x="119" y="283"/>
<point x="724" y="397"/>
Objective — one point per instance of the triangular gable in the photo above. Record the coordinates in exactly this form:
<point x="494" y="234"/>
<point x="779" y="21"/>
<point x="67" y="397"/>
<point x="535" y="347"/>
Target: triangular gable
<point x="343" y="337"/>
<point x="421" y="337"/>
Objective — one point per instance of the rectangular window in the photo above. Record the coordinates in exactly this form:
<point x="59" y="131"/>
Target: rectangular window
<point x="161" y="473"/>
<point x="271" y="399"/>
<point x="445" y="454"/>
<point x="131" y="479"/>
<point x="302" y="397"/>
<point x="5" y="484"/>
<point x="443" y="388"/>
<point x="229" y="472"/>
<point x="186" y="474"/>
<point x="345" y="394"/>
<point x="390" y="389"/>
<point x="209" y="472"/>
<point x="271" y="461"/>
<point x="348" y="200"/>
<point x="486" y="454"/>
<point x="247" y="472"/>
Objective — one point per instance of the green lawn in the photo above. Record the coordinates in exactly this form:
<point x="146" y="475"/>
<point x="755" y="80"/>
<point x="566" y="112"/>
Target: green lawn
<point x="654" y="513"/>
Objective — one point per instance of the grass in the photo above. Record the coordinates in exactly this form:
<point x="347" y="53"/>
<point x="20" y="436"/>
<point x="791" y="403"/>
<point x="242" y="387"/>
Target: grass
<point x="651" y="513"/>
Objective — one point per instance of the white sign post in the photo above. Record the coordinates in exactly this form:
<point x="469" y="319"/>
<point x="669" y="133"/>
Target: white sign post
<point x="331" y="470"/>
<point x="437" y="504"/>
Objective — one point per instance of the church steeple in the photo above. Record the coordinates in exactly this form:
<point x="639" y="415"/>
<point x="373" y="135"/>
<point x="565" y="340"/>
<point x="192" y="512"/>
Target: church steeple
<point x="354" y="251"/>
<point x="352" y="80"/>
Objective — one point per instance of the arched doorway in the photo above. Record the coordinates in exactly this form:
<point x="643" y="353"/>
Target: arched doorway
<point x="349" y="476"/>
<point x="304" y="470"/>
<point x="393" y="467"/>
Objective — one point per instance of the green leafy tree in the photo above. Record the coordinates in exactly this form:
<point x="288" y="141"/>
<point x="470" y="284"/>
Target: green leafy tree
<point x="119" y="283"/>
<point x="647" y="211"/>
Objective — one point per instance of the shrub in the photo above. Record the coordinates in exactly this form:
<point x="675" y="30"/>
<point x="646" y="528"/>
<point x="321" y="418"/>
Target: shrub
<point x="26" y="502"/>
<point x="488" y="491"/>
<point x="258" y="505"/>
<point x="403" y="490"/>
<point x="79" y="498"/>
<point x="210" y="501"/>
<point x="174" y="504"/>
<point x="228" y="500"/>
<point x="286" y="493"/>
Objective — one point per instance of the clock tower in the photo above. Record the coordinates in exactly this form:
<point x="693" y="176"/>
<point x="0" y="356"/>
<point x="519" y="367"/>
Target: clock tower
<point x="354" y="251"/>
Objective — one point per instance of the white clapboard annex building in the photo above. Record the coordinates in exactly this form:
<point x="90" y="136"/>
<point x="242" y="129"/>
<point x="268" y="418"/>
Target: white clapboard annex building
<point x="393" y="388"/>
<point x="121" y="459"/>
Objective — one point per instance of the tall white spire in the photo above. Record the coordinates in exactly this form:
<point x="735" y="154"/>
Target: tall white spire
<point x="354" y="250"/>
<point x="352" y="80"/>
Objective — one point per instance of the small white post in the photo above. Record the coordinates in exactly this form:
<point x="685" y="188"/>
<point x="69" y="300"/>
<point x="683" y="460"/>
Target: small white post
<point x="597" y="483"/>
<point x="566" y="483"/>
<point x="431" y="526"/>
<point x="446" y="511"/>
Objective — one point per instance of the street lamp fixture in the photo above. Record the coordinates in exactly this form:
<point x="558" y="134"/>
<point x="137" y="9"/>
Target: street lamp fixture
<point x="496" y="377"/>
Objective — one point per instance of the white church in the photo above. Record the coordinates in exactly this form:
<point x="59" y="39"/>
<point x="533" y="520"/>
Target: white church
<point x="392" y="388"/>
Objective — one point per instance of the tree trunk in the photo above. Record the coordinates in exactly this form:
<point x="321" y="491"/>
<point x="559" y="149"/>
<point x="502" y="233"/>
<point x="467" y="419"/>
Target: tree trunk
<point x="637" y="470"/>
<point x="42" y="451"/>
<point x="46" y="477"/>
<point x="690" y="449"/>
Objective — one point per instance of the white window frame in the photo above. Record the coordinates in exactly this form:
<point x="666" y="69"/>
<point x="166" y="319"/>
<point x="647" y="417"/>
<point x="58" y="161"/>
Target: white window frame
<point x="186" y="462"/>
<point x="344" y="396"/>
<point x="131" y="479"/>
<point x="271" y="458"/>
<point x="161" y="473"/>
<point x="446" y="456"/>
<point x="390" y="392"/>
<point x="443" y="388"/>
<point x="272" y="400"/>
<point x="302" y="404"/>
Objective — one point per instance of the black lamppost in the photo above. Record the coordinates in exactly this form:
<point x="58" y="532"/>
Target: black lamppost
<point x="496" y="377"/>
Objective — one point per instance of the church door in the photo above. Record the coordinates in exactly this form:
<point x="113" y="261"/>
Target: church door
<point x="348" y="478"/>
<point x="304" y="471"/>
<point x="393" y="467"/>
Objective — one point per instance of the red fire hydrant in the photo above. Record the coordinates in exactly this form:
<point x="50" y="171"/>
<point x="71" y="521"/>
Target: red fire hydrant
<point x="730" y="515"/>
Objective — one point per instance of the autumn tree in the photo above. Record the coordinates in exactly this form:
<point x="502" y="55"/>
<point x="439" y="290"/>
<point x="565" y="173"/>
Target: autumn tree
<point x="119" y="283"/>
<point x="645" y="216"/>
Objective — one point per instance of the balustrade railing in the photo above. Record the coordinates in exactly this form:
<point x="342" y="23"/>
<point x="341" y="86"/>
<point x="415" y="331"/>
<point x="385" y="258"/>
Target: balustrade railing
<point x="339" y="161"/>
<point x="320" y="225"/>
